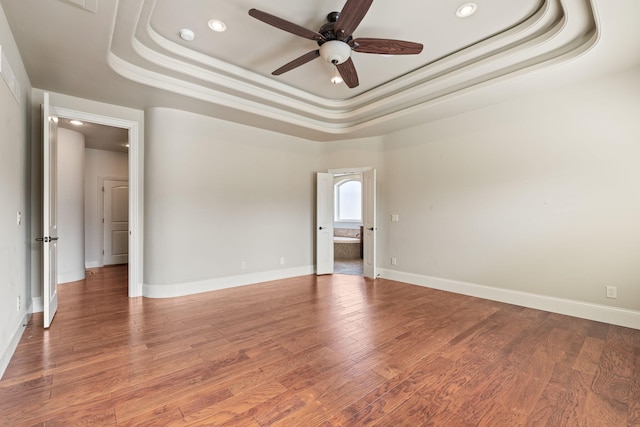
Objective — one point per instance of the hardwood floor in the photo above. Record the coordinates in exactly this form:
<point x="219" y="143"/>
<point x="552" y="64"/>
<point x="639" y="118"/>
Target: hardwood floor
<point x="328" y="351"/>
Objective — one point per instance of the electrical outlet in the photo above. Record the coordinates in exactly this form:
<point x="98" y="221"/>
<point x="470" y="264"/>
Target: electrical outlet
<point x="19" y="218"/>
<point x="612" y="292"/>
<point x="394" y="261"/>
<point x="281" y="260"/>
<point x="243" y="264"/>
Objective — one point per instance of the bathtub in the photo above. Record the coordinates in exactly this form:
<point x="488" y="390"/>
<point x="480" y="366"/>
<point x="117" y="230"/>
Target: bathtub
<point x="346" y="247"/>
<point x="339" y="239"/>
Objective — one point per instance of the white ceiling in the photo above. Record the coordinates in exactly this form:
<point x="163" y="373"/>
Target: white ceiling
<point x="130" y="53"/>
<point x="100" y="137"/>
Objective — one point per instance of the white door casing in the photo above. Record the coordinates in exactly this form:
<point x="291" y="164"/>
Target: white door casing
<point x="369" y="222"/>
<point x="136" y="190"/>
<point x="49" y="211"/>
<point x="324" y="223"/>
<point x="115" y="222"/>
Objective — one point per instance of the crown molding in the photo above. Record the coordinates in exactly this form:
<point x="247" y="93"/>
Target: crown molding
<point x="561" y="30"/>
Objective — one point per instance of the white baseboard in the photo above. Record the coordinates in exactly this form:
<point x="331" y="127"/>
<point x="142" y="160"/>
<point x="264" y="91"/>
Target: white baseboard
<point x="585" y="310"/>
<point x="93" y="264"/>
<point x="182" y="289"/>
<point x="71" y="276"/>
<point x="7" y="353"/>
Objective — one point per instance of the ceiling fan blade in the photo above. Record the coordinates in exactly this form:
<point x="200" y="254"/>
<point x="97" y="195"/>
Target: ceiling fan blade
<point x="386" y="46"/>
<point x="297" y="62"/>
<point x="286" y="25"/>
<point x="350" y="17"/>
<point x="348" y="73"/>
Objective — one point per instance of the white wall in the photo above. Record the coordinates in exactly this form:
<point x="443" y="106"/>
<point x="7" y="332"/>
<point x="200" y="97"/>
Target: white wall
<point x="538" y="195"/>
<point x="100" y="164"/>
<point x="71" y="167"/>
<point x="15" y="240"/>
<point x="219" y="194"/>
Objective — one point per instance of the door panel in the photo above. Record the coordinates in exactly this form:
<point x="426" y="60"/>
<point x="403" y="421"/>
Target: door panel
<point x="49" y="211"/>
<point x="324" y="223"/>
<point x="369" y="222"/>
<point x="116" y="222"/>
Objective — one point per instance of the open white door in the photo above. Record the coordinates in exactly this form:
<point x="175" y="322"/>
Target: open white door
<point x="324" y="223"/>
<point x="369" y="222"/>
<point x="116" y="222"/>
<point x="49" y="211"/>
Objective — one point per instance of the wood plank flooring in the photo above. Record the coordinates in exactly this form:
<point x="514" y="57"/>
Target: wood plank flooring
<point x="316" y="351"/>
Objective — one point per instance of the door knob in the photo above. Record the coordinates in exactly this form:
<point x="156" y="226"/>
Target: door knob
<point x="46" y="239"/>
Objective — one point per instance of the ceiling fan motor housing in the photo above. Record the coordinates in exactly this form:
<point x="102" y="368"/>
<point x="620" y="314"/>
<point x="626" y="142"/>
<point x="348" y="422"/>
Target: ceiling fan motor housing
<point x="335" y="51"/>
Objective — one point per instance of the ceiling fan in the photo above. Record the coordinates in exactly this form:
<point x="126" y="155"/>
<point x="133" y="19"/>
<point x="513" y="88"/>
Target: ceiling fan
<point x="335" y="40"/>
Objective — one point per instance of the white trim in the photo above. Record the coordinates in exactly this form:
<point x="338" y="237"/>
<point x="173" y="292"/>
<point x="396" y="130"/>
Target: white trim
<point x="95" y="264"/>
<point x="354" y="171"/>
<point x="136" y="168"/>
<point x="7" y="354"/>
<point x="584" y="310"/>
<point x="182" y="289"/>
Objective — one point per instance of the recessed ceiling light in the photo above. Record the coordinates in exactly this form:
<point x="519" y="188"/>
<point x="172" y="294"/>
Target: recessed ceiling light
<point x="76" y="122"/>
<point x="187" y="35"/>
<point x="217" y="25"/>
<point x="466" y="10"/>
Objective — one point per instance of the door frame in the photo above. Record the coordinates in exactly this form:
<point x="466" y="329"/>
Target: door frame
<point x="361" y="170"/>
<point x="135" y="189"/>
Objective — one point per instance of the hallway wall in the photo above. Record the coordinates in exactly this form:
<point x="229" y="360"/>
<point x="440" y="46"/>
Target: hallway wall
<point x="99" y="164"/>
<point x="71" y="201"/>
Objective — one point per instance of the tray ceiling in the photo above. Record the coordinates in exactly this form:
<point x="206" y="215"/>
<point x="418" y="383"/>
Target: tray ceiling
<point x="233" y="68"/>
<point x="130" y="53"/>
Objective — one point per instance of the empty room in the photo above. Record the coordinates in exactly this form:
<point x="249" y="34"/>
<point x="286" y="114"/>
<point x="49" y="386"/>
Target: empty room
<point x="328" y="213"/>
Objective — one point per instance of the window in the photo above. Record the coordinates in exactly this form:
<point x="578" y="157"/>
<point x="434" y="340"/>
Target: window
<point x="348" y="204"/>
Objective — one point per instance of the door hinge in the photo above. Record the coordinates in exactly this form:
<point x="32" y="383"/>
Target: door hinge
<point x="103" y="220"/>
<point x="103" y="189"/>
<point x="103" y="252"/>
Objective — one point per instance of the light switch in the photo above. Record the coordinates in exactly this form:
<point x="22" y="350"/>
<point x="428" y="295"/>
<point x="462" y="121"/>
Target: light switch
<point x="395" y="217"/>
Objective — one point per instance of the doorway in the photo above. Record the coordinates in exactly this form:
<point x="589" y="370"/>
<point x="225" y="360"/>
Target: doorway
<point x="134" y="171"/>
<point x="346" y="215"/>
<point x="93" y="172"/>
<point x="348" y="223"/>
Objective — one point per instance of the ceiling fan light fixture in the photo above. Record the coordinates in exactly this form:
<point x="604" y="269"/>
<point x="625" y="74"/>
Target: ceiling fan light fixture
<point x="217" y="25"/>
<point x="336" y="78"/>
<point x="466" y="9"/>
<point x="335" y="52"/>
